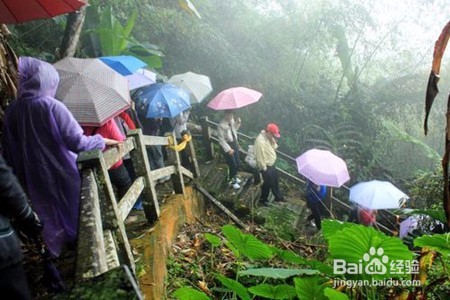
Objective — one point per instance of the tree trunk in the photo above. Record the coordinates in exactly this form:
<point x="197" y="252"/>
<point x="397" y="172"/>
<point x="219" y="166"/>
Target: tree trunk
<point x="71" y="37"/>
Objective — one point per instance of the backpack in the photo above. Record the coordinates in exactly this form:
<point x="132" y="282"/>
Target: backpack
<point x="250" y="157"/>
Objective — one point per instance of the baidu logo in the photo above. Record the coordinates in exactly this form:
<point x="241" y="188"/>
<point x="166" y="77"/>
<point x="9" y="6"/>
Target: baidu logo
<point x="375" y="261"/>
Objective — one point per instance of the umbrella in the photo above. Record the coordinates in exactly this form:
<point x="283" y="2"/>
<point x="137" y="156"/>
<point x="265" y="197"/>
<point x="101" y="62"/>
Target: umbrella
<point x="323" y="168"/>
<point x="408" y="225"/>
<point x="93" y="92"/>
<point x="140" y="78"/>
<point x="161" y="100"/>
<point x="123" y="64"/>
<point x="234" y="98"/>
<point x="377" y="194"/>
<point x="17" y="11"/>
<point x="199" y="85"/>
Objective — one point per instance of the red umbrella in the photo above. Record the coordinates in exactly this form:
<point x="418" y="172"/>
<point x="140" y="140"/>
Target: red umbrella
<point x="18" y="11"/>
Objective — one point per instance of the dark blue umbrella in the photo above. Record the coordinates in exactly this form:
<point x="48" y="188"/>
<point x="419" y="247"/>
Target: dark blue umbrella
<point x="161" y="100"/>
<point x="123" y="64"/>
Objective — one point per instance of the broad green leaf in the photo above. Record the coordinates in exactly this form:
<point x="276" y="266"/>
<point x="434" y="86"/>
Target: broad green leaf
<point x="288" y="256"/>
<point x="310" y="288"/>
<point x="213" y="239"/>
<point x="438" y="242"/>
<point x="277" y="273"/>
<point x="291" y="257"/>
<point x="331" y="227"/>
<point x="130" y="24"/>
<point x="186" y="293"/>
<point x="334" y="295"/>
<point x="353" y="244"/>
<point x="282" y="291"/>
<point x="235" y="286"/>
<point x="247" y="244"/>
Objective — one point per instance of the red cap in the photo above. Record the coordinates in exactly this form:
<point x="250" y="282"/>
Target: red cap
<point x="273" y="129"/>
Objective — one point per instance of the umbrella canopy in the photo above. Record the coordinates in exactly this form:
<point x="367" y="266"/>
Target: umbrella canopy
<point x="234" y="98"/>
<point x="323" y="168"/>
<point x="377" y="194"/>
<point x="140" y="78"/>
<point x="92" y="91"/>
<point x="408" y="225"/>
<point x="123" y="64"/>
<point x="16" y="11"/>
<point x="199" y="85"/>
<point x="161" y="100"/>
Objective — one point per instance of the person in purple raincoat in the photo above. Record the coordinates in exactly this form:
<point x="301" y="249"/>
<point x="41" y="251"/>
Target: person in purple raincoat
<point x="41" y="140"/>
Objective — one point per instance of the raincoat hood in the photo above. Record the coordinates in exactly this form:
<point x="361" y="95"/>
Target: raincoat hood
<point x="36" y="79"/>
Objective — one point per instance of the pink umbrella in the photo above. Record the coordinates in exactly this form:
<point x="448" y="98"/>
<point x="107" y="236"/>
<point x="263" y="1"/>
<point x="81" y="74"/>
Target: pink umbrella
<point x="323" y="168"/>
<point x="234" y="98"/>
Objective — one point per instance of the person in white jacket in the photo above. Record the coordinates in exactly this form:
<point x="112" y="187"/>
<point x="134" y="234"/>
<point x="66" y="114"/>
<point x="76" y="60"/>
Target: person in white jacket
<point x="228" y="140"/>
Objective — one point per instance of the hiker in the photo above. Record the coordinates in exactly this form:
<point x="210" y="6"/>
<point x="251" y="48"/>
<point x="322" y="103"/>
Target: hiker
<point x="152" y="126"/>
<point x="367" y="217"/>
<point x="228" y="140"/>
<point x="40" y="141"/>
<point x="14" y="204"/>
<point x="266" y="156"/>
<point x="179" y="124"/>
<point x="314" y="199"/>
<point x="118" y="173"/>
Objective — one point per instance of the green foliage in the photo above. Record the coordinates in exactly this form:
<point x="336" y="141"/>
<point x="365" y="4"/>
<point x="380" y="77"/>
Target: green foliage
<point x="246" y="244"/>
<point x="186" y="293"/>
<point x="426" y="189"/>
<point x="438" y="242"/>
<point x="351" y="242"/>
<point x="282" y="291"/>
<point x="277" y="273"/>
<point x="235" y="286"/>
<point x="334" y="295"/>
<point x="214" y="240"/>
<point x="310" y="288"/>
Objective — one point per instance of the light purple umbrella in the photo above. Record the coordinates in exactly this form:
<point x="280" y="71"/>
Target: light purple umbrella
<point x="323" y="168"/>
<point x="234" y="98"/>
<point x="408" y="225"/>
<point x="140" y="78"/>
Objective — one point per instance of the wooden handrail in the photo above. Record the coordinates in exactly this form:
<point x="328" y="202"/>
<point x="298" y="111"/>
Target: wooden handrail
<point x="103" y="242"/>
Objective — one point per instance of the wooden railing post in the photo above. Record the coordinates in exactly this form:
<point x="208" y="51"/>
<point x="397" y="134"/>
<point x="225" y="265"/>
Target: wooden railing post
<point x="193" y="155"/>
<point x="109" y="212"/>
<point x="141" y="167"/>
<point x="174" y="159"/>
<point x="206" y="133"/>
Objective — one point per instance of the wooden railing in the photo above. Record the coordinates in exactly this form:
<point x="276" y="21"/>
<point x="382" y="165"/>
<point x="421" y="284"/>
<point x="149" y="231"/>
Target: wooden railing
<point x="102" y="239"/>
<point x="210" y="138"/>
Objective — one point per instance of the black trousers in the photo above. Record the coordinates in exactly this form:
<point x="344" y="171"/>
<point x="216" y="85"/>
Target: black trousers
<point x="233" y="160"/>
<point x="315" y="214"/>
<point x="13" y="282"/>
<point x="270" y="177"/>
<point x="121" y="180"/>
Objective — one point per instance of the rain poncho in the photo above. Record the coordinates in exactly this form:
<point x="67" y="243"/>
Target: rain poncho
<point x="40" y="140"/>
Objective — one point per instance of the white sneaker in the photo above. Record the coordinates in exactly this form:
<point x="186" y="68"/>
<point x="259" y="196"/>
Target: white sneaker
<point x="236" y="186"/>
<point x="237" y="180"/>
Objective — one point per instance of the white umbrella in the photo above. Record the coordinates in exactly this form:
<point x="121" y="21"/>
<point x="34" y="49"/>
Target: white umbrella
<point x="377" y="194"/>
<point x="91" y="90"/>
<point x="199" y="85"/>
